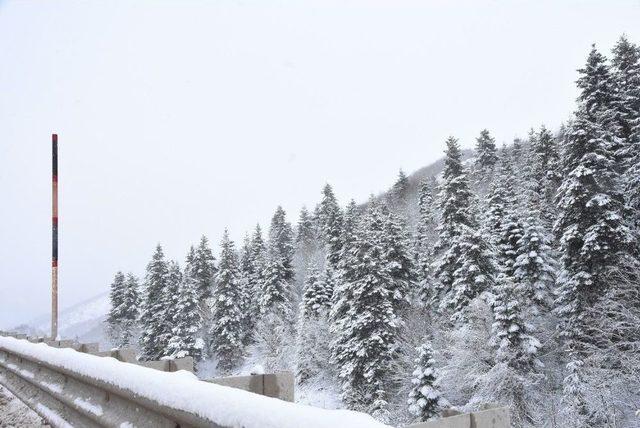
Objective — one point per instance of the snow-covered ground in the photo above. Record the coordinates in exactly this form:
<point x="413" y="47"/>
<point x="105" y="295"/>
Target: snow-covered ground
<point x="15" y="414"/>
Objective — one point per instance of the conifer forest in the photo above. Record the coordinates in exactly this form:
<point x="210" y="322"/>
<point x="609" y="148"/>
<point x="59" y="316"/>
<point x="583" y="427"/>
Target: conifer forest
<point x="508" y="275"/>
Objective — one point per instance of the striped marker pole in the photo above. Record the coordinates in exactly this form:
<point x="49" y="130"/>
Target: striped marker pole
<point x="54" y="236"/>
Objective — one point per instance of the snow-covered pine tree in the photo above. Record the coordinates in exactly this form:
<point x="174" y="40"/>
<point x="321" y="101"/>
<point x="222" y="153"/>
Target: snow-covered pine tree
<point x="464" y="268"/>
<point x="626" y="79"/>
<point x="591" y="226"/>
<point x="509" y="236"/>
<point x="313" y="339"/>
<point x="258" y="259"/>
<point x="340" y="297"/>
<point x="275" y="293"/>
<point x="546" y="162"/>
<point x="187" y="317"/>
<point x="317" y="296"/>
<point x="400" y="259"/>
<point x="227" y="330"/>
<point x="486" y="156"/>
<point x="151" y="317"/>
<point x="329" y="218"/>
<point x="455" y="196"/>
<point x="129" y="310"/>
<point x="426" y="237"/>
<point x="425" y="400"/>
<point x="305" y="231"/>
<point x="281" y="242"/>
<point x="204" y="271"/>
<point x="308" y="250"/>
<point x="397" y="199"/>
<point x="513" y="380"/>
<point x="535" y="267"/>
<point x="499" y="199"/>
<point x="274" y="335"/>
<point x="349" y="227"/>
<point x="114" y="318"/>
<point x="365" y="323"/>
<point x="247" y="290"/>
<point x="626" y="73"/>
<point x="170" y="297"/>
<point x="473" y="274"/>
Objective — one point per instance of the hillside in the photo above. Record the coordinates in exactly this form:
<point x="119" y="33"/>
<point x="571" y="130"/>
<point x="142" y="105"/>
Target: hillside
<point x="83" y="321"/>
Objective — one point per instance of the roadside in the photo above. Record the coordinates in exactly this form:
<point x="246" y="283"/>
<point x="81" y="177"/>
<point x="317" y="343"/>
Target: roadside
<point x="15" y="414"/>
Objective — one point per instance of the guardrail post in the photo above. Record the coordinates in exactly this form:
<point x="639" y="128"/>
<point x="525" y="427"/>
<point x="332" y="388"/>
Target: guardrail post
<point x="279" y="385"/>
<point x="185" y="363"/>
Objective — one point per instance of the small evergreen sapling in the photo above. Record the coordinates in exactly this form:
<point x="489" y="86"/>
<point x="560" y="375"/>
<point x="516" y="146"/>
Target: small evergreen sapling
<point x="425" y="400"/>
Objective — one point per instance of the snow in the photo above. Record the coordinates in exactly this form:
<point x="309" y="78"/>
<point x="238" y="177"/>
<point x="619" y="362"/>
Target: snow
<point x="218" y="404"/>
<point x="15" y="414"/>
<point x="89" y="407"/>
<point x="52" y="416"/>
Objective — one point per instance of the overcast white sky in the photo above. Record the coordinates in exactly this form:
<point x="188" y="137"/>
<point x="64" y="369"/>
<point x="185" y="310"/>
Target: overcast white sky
<point x="178" y="118"/>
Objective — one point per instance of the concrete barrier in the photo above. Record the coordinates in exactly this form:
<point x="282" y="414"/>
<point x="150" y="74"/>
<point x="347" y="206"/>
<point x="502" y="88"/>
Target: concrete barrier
<point x="491" y="418"/>
<point x="278" y="385"/>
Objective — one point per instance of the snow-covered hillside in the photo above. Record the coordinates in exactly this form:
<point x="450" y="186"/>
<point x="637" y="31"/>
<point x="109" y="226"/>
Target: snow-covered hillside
<point x="83" y="321"/>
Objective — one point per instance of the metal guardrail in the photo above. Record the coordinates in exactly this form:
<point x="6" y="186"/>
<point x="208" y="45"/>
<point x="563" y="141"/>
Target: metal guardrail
<point x="66" y="397"/>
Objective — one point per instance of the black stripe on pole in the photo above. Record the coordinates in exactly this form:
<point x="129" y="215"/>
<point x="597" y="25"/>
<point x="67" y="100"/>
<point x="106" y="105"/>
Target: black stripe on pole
<point x="54" y="168"/>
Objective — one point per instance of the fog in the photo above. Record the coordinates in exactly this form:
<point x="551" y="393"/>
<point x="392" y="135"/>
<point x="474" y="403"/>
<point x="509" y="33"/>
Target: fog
<point x="181" y="118"/>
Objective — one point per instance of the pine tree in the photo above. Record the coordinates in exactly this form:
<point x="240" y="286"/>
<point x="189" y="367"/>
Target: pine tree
<point x="129" y="310"/>
<point x="313" y="339"/>
<point x="329" y="218"/>
<point x="348" y="229"/>
<point x="464" y="268"/>
<point x="426" y="236"/>
<point x="305" y="230"/>
<point x="544" y="171"/>
<point x="455" y="196"/>
<point x="247" y="290"/>
<point x="281" y="242"/>
<point x="204" y="271"/>
<point x="514" y="377"/>
<point x="399" y="193"/>
<point x="114" y="318"/>
<point x="317" y="292"/>
<point x="227" y="330"/>
<point x="593" y="234"/>
<point x="509" y="236"/>
<point x="626" y="76"/>
<point x="275" y="296"/>
<point x="425" y="400"/>
<point x="365" y="321"/>
<point x="187" y="317"/>
<point x="151" y="317"/>
<point x="169" y="303"/>
<point x="399" y="258"/>
<point x="257" y="260"/>
<point x="473" y="271"/>
<point x="535" y="266"/>
<point x="274" y="335"/>
<point x="626" y="73"/>
<point x="499" y="200"/>
<point x="486" y="156"/>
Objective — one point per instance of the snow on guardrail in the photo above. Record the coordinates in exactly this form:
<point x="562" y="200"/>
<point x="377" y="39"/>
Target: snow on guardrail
<point x="183" y="391"/>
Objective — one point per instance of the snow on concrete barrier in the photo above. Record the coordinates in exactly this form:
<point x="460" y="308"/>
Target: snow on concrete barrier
<point x="69" y="388"/>
<point x="492" y="418"/>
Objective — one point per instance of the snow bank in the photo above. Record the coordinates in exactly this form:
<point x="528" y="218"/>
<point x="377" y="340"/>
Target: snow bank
<point x="218" y="404"/>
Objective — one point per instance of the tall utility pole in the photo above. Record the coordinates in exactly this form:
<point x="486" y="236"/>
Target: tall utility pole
<point x="54" y="238"/>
